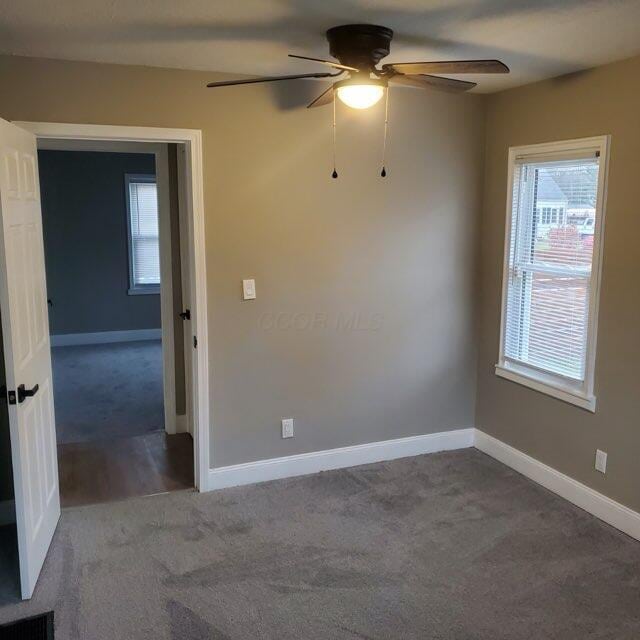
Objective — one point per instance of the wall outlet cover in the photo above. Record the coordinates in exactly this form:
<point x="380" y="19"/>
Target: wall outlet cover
<point x="287" y="427"/>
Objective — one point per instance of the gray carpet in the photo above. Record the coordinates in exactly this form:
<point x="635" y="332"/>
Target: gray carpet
<point x="450" y="546"/>
<point x="105" y="391"/>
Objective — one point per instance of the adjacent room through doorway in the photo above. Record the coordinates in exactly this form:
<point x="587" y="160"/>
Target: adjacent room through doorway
<point x="118" y="352"/>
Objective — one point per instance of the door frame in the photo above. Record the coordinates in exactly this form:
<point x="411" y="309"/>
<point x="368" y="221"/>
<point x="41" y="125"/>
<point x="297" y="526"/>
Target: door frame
<point x="192" y="141"/>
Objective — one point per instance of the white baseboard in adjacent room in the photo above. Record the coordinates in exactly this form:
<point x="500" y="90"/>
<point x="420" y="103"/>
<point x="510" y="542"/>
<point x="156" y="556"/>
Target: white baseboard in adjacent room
<point x="599" y="505"/>
<point x="103" y="337"/>
<point x="315" y="461"/>
<point x="182" y="426"/>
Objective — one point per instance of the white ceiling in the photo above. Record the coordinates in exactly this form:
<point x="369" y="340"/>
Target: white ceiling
<point x="536" y="38"/>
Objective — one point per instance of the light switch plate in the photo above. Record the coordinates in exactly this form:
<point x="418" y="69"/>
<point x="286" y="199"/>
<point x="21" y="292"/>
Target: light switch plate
<point x="601" y="461"/>
<point x="287" y="427"/>
<point x="249" y="289"/>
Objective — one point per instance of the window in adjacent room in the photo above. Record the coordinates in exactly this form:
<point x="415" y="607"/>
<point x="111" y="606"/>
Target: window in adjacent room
<point x="144" y="246"/>
<point x="552" y="267"/>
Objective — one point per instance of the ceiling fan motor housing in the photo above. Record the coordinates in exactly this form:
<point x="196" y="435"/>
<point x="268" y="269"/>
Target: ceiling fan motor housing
<point x="359" y="45"/>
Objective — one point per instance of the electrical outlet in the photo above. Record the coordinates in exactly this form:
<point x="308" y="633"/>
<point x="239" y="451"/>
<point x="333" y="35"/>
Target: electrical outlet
<point x="601" y="461"/>
<point x="287" y="427"/>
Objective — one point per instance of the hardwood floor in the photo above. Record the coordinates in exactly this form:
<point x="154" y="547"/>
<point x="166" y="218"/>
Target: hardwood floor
<point x="108" y="470"/>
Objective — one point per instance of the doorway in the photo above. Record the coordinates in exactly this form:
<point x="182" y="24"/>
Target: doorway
<point x="117" y="314"/>
<point x="194" y="259"/>
<point x="23" y="303"/>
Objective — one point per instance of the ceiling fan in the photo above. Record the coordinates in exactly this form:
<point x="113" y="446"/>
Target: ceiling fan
<point x="358" y="49"/>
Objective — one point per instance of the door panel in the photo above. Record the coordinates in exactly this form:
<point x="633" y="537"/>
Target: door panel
<point x="25" y="326"/>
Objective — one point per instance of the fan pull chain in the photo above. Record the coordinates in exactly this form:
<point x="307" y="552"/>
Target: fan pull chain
<point x="335" y="173"/>
<point x="383" y="173"/>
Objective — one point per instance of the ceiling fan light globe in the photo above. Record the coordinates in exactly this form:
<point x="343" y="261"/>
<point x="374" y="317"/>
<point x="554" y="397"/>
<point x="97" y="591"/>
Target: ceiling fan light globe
<point x="360" y="96"/>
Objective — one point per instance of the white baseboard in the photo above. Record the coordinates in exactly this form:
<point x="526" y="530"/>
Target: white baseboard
<point x="306" y="463"/>
<point x="103" y="337"/>
<point x="178" y="425"/>
<point x="7" y="512"/>
<point x="612" y="512"/>
<point x="182" y="425"/>
<point x="597" y="504"/>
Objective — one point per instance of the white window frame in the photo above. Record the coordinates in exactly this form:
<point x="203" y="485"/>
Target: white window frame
<point x="137" y="289"/>
<point x="579" y="393"/>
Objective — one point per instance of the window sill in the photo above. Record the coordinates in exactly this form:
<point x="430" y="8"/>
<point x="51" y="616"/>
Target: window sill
<point x="144" y="291"/>
<point x="542" y="384"/>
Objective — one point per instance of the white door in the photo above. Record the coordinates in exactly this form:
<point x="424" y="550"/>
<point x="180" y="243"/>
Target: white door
<point x="25" y="326"/>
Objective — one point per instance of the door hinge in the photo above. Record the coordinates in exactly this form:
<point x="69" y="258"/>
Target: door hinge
<point x="195" y="342"/>
<point x="186" y="314"/>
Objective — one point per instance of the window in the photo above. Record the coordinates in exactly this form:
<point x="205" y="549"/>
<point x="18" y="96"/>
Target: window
<point x="552" y="268"/>
<point x="144" y="246"/>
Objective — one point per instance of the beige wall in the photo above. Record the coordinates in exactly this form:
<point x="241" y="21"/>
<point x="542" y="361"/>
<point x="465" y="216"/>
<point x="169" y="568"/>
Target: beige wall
<point x="398" y="254"/>
<point x="602" y="101"/>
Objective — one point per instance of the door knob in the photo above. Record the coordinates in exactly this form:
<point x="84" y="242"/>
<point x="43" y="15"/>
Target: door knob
<point x="26" y="393"/>
<point x="186" y="314"/>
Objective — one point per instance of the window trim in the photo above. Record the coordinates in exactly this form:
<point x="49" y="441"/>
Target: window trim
<point x="580" y="394"/>
<point x="137" y="289"/>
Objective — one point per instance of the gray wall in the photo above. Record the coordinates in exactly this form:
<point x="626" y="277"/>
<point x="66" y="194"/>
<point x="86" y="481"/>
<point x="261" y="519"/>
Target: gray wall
<point x="396" y="254"/>
<point x="399" y="253"/>
<point x="85" y="237"/>
<point x="596" y="102"/>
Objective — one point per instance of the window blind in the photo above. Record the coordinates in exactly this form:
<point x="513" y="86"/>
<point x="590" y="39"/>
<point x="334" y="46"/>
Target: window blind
<point x="143" y="220"/>
<point x="550" y="256"/>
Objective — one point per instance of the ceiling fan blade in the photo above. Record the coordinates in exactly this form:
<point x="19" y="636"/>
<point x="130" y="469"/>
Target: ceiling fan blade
<point x="335" y="65"/>
<point x="231" y="83"/>
<point x="326" y="97"/>
<point x="455" y="66"/>
<point x="432" y="82"/>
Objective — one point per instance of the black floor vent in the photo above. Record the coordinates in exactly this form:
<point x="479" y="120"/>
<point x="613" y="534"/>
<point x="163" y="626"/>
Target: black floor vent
<point x="35" y="628"/>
